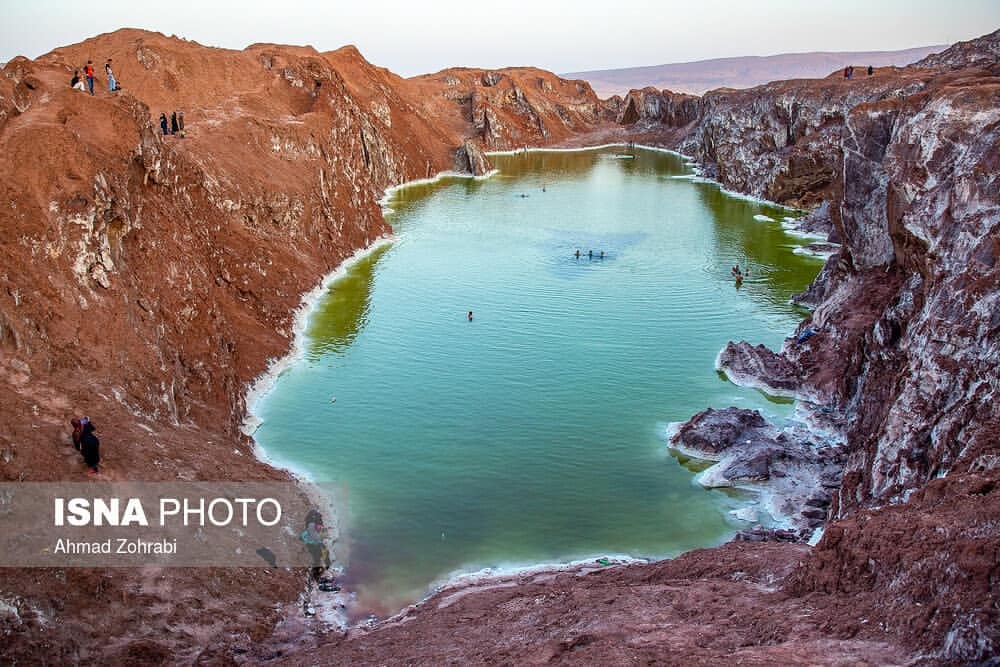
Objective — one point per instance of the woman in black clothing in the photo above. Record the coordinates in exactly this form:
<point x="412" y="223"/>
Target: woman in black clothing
<point x="91" y="448"/>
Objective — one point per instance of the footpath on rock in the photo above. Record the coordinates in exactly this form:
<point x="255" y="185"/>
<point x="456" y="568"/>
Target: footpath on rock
<point x="149" y="279"/>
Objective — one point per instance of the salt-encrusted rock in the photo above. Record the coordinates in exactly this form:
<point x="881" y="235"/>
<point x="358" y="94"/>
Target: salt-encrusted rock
<point x="651" y="106"/>
<point x="817" y="222"/>
<point x="711" y="432"/>
<point x="470" y="158"/>
<point x="790" y="468"/>
<point x="757" y="366"/>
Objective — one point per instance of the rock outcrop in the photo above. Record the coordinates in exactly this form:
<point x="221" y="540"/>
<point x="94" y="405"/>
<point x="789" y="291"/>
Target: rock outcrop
<point x="653" y="106"/>
<point x="983" y="50"/>
<point x="907" y="351"/>
<point x="469" y="158"/>
<point x="914" y="332"/>
<point x="780" y="141"/>
<point x="794" y="472"/>
<point x="933" y="218"/>
<point x="510" y="108"/>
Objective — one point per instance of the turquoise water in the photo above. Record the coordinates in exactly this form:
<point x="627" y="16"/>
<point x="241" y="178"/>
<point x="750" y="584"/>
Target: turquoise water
<point x="534" y="432"/>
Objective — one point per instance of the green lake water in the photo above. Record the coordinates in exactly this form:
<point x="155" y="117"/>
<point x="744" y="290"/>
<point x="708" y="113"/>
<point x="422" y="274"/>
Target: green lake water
<point x="535" y="432"/>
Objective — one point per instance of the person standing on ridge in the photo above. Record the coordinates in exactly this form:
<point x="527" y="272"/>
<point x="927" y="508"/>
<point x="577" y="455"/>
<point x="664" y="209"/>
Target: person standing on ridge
<point x="180" y="122"/>
<point x="89" y="71"/>
<point x="314" y="537"/>
<point x="112" y="84"/>
<point x="77" y="432"/>
<point x="90" y="446"/>
<point x="871" y="70"/>
<point x="173" y="123"/>
<point x="163" y="124"/>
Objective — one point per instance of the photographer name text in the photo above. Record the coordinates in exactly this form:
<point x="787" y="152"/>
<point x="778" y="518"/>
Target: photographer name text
<point x="119" y="545"/>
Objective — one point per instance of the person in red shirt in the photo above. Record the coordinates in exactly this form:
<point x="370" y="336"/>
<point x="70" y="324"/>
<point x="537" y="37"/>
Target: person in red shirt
<point x="89" y="70"/>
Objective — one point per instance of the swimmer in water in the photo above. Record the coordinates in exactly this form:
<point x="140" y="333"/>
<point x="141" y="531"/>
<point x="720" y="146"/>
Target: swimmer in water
<point x="577" y="253"/>
<point x="590" y="254"/>
<point x="602" y="255"/>
<point x="470" y="315"/>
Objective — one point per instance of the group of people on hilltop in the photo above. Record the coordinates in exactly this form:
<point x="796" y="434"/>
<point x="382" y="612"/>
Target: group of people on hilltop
<point x="176" y="124"/>
<point x="86" y="82"/>
<point x="849" y="71"/>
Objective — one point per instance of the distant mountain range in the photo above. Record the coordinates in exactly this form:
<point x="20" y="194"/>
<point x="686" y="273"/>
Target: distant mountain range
<point x="743" y="72"/>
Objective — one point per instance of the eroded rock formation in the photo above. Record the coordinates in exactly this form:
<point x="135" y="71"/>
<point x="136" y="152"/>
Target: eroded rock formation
<point x="795" y="472"/>
<point x="907" y="350"/>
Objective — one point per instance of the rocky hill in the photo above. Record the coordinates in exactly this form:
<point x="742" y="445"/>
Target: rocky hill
<point x="700" y="76"/>
<point x="148" y="279"/>
<point x="982" y="51"/>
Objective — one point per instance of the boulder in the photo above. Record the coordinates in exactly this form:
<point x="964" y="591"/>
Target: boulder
<point x="711" y="432"/>
<point x="757" y="366"/>
<point x="469" y="158"/>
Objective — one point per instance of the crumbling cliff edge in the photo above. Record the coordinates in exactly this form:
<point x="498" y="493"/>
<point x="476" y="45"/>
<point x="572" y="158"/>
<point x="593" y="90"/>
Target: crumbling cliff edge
<point x="149" y="279"/>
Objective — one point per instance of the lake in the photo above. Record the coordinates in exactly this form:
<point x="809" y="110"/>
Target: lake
<point x="534" y="432"/>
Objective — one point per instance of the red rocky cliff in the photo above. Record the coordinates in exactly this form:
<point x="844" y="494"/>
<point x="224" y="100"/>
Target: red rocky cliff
<point x="905" y="366"/>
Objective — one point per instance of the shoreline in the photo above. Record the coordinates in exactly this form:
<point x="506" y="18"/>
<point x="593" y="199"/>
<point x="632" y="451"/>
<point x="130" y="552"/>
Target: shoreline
<point x="765" y="499"/>
<point x="459" y="585"/>
<point x="697" y="175"/>
<point x="383" y="201"/>
<point x="258" y="390"/>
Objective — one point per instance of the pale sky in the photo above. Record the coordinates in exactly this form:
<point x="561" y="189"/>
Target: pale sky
<point x="414" y="38"/>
